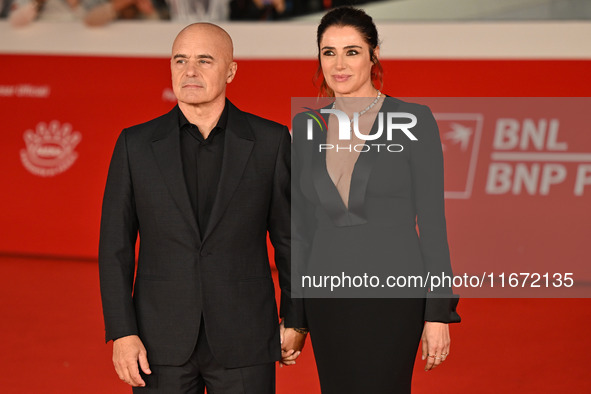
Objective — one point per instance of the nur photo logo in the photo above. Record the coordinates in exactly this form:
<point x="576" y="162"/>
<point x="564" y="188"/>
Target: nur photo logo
<point x="387" y="123"/>
<point x="319" y="119"/>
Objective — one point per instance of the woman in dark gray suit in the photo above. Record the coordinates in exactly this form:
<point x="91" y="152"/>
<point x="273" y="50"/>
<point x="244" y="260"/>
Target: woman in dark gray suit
<point x="356" y="204"/>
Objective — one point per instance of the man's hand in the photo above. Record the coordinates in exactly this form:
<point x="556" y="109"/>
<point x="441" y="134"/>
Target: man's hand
<point x="436" y="343"/>
<point x="292" y="343"/>
<point x="127" y="352"/>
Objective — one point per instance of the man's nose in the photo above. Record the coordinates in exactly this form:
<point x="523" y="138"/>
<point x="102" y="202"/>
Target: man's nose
<point x="191" y="69"/>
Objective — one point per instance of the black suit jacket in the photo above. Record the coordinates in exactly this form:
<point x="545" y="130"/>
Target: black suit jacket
<point x="224" y="273"/>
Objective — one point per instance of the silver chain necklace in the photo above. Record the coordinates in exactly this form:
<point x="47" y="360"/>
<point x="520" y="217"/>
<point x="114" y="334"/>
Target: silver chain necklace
<point x="334" y="104"/>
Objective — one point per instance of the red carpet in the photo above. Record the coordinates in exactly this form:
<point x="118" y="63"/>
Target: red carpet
<point x="52" y="340"/>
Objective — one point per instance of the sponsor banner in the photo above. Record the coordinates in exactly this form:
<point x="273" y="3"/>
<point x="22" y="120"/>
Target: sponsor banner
<point x="517" y="188"/>
<point x="60" y="119"/>
<point x="61" y="116"/>
<point x="527" y="204"/>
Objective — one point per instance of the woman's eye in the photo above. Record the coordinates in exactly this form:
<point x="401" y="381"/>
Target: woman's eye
<point x="328" y="53"/>
<point x="352" y="52"/>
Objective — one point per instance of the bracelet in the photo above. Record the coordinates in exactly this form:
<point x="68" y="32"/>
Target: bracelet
<point x="303" y="331"/>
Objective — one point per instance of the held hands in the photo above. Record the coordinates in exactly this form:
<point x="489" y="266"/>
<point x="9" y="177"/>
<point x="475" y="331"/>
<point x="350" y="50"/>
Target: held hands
<point x="292" y="343"/>
<point x="436" y="343"/>
<point x="127" y="352"/>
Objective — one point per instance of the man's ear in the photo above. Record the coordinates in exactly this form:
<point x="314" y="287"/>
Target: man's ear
<point x="232" y="72"/>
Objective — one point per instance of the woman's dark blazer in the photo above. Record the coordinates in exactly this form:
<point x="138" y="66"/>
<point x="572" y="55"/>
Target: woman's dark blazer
<point x="391" y="193"/>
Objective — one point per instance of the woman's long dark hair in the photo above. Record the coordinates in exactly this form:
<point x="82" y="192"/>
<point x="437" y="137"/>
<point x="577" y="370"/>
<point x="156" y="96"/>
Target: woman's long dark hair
<point x="363" y="23"/>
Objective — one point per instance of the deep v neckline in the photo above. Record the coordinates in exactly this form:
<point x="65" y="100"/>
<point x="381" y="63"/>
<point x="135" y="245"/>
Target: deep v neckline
<point x="372" y="131"/>
<point x="325" y="167"/>
<point x="331" y="200"/>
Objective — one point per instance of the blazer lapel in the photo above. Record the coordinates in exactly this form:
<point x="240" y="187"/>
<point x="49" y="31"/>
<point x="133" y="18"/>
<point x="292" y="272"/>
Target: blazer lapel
<point x="327" y="191"/>
<point x="362" y="171"/>
<point x="166" y="146"/>
<point x="238" y="146"/>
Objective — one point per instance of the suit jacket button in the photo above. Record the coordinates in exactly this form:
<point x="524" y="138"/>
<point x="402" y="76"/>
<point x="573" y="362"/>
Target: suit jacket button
<point x="203" y="253"/>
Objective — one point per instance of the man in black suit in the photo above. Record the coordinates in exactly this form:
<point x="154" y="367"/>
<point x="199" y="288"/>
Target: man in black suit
<point x="202" y="186"/>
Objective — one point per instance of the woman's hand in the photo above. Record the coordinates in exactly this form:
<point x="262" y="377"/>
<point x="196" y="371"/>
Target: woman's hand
<point x="292" y="343"/>
<point x="436" y="342"/>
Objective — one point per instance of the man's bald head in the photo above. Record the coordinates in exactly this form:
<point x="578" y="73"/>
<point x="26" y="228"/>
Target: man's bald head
<point x="202" y="65"/>
<point x="208" y="31"/>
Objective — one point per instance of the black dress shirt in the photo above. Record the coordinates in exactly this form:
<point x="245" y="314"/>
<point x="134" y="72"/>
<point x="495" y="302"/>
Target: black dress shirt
<point x="202" y="164"/>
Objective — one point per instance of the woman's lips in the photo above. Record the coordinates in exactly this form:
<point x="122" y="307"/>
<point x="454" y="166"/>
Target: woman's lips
<point x="341" y="77"/>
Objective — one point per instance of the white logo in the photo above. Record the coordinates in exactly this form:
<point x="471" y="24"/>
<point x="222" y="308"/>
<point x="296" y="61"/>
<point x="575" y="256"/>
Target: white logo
<point x="529" y="159"/>
<point x="346" y="124"/>
<point x="460" y="134"/>
<point x="460" y="138"/>
<point x="50" y="149"/>
<point x="25" y="90"/>
<point x="168" y="95"/>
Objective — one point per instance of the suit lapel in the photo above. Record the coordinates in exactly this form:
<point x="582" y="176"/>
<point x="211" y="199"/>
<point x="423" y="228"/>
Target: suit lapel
<point x="238" y="146"/>
<point x="363" y="168"/>
<point x="327" y="191"/>
<point x="166" y="146"/>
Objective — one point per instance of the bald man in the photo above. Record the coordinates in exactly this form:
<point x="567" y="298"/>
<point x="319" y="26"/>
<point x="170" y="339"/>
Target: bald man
<point x="202" y="186"/>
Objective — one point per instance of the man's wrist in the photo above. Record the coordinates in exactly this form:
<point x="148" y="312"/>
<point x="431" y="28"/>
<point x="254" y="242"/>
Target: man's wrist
<point x="300" y="330"/>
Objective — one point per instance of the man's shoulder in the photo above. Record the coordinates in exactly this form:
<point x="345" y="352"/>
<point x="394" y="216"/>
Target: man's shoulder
<point x="258" y="123"/>
<point x="149" y="127"/>
<point x="263" y="122"/>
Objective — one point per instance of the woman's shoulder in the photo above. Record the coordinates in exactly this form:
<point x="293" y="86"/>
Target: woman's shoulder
<point x="407" y="106"/>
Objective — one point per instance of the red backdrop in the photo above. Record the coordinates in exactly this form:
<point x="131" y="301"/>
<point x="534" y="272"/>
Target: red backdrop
<point x="98" y="96"/>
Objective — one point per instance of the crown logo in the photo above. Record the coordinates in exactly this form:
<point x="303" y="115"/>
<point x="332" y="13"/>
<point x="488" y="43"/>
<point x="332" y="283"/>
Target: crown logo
<point x="50" y="149"/>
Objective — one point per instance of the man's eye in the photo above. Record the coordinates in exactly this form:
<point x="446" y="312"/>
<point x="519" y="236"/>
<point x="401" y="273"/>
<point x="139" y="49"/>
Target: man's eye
<point x="203" y="61"/>
<point x="181" y="61"/>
